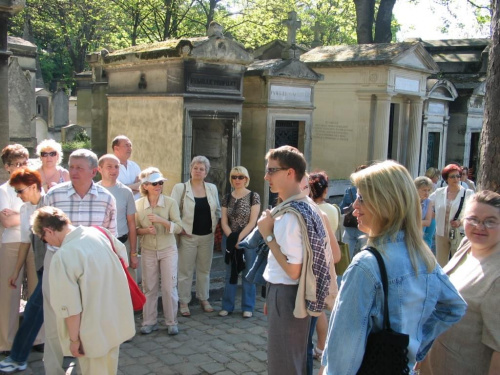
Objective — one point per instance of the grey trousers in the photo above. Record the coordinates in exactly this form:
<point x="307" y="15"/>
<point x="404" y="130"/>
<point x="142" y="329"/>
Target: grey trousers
<point x="287" y="335"/>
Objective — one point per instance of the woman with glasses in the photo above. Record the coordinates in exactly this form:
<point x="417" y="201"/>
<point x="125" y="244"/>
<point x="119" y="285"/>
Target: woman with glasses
<point x="157" y="220"/>
<point x="449" y="206"/>
<point x="200" y="210"/>
<point x="14" y="157"/>
<point x="472" y="346"/>
<point x="50" y="153"/>
<point x="240" y="211"/>
<point x="421" y="300"/>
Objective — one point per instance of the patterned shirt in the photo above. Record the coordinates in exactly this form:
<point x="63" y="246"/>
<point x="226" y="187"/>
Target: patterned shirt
<point x="97" y="207"/>
<point x="239" y="210"/>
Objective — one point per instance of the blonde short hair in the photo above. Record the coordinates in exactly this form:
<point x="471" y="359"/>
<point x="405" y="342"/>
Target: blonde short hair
<point x="50" y="143"/>
<point x="390" y="195"/>
<point x="145" y="173"/>
<point x="239" y="170"/>
<point x="423" y="181"/>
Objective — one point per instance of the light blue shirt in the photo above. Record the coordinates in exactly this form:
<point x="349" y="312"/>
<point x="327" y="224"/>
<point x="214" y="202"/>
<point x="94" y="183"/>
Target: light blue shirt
<point x="421" y="306"/>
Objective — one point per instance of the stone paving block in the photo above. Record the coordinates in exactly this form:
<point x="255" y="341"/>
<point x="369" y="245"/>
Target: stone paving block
<point x="135" y="370"/>
<point x="241" y="356"/>
<point x="212" y="368"/>
<point x="236" y="331"/>
<point x="256" y="340"/>
<point x="260" y="355"/>
<point x="222" y="346"/>
<point x="198" y="359"/>
<point x="184" y="350"/>
<point x="221" y="358"/>
<point x="187" y="369"/>
<point x="232" y="339"/>
<point x="147" y="360"/>
<point x="237" y="367"/>
<point x="171" y="359"/>
<point x="245" y="347"/>
<point x="257" y="365"/>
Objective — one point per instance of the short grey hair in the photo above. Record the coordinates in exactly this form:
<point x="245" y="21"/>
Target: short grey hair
<point x="423" y="181"/>
<point x="83" y="153"/>
<point x="200" y="159"/>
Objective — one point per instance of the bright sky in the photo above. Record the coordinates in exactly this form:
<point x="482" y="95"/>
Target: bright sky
<point x="425" y="18"/>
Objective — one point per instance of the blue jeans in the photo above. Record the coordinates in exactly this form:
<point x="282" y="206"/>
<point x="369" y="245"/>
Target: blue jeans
<point x="32" y="322"/>
<point x="248" y="289"/>
<point x="310" y="345"/>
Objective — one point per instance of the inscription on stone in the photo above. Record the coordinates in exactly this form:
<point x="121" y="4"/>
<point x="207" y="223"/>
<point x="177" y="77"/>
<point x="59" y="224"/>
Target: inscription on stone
<point x="407" y="84"/>
<point x="333" y="131"/>
<point x="290" y="94"/>
<point x="437" y="108"/>
<point x="213" y="83"/>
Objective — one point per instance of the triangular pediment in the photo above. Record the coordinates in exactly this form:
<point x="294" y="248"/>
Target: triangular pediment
<point x="222" y="50"/>
<point x="283" y="68"/>
<point x="416" y="58"/>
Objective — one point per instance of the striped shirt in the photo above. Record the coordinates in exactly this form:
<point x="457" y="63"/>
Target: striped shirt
<point x="97" y="207"/>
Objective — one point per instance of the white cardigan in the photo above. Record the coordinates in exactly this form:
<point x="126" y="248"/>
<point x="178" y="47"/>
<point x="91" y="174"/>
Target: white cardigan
<point x="439" y="199"/>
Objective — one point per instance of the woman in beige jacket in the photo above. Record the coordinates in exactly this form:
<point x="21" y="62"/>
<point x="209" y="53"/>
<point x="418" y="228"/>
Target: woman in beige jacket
<point x="200" y="210"/>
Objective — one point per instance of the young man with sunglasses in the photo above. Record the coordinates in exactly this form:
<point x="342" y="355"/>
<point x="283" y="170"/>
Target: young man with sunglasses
<point x="297" y="272"/>
<point x="109" y="167"/>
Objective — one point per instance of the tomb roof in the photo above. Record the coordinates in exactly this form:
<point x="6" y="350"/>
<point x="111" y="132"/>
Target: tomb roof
<point x="290" y="68"/>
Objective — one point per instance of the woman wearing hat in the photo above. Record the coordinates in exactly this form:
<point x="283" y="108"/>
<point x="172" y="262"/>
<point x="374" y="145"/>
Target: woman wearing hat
<point x="157" y="220"/>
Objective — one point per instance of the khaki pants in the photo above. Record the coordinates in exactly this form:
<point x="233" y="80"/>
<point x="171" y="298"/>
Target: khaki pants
<point x="10" y="298"/>
<point x="195" y="252"/>
<point x="131" y="270"/>
<point x="105" y="365"/>
<point x="445" y="247"/>
<point x="156" y="264"/>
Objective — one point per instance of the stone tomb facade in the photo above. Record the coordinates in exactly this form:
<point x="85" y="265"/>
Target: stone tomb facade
<point x="369" y="105"/>
<point x="177" y="99"/>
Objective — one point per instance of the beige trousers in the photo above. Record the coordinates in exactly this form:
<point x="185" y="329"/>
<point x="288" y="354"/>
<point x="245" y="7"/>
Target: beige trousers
<point x="105" y="365"/>
<point x="131" y="270"/>
<point x="195" y="252"/>
<point x="10" y="298"/>
<point x="155" y="265"/>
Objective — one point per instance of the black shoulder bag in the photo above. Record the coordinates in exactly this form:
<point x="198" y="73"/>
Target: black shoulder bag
<point x="350" y="221"/>
<point x="452" y="233"/>
<point x="386" y="351"/>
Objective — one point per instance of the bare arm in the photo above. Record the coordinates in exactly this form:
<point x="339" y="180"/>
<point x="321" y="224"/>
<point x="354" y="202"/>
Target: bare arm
<point x="428" y="216"/>
<point x="132" y="239"/>
<point x="73" y="325"/>
<point x="224" y="222"/>
<point x="333" y="240"/>
<point x="9" y="218"/>
<point x="495" y="364"/>
<point x="254" y="215"/>
<point x="24" y="248"/>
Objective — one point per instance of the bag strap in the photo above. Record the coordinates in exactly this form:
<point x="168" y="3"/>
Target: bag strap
<point x="460" y="206"/>
<point x="104" y="232"/>
<point x="339" y="238"/>
<point x="182" y="199"/>
<point x="385" y="287"/>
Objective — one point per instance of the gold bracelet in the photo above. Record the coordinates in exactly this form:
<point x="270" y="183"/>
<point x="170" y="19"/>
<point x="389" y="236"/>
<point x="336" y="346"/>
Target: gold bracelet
<point x="133" y="254"/>
<point x="74" y="341"/>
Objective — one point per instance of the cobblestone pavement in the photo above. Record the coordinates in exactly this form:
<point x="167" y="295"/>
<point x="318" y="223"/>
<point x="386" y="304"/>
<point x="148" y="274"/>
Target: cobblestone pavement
<point x="206" y="344"/>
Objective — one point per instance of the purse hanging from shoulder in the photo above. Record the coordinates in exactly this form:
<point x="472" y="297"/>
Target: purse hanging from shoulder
<point x="386" y="351"/>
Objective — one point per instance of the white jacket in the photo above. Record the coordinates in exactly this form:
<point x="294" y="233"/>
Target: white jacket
<point x="439" y="199"/>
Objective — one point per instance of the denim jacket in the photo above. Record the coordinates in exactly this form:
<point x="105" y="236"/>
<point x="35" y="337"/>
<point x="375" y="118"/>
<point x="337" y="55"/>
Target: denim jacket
<point x="422" y="306"/>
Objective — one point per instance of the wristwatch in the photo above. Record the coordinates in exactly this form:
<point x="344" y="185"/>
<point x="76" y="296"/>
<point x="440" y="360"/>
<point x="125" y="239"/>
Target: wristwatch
<point x="269" y="238"/>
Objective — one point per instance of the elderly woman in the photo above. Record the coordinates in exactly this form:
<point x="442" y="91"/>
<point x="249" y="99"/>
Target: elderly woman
<point x="14" y="157"/>
<point x="433" y="174"/>
<point x="422" y="301"/>
<point x="50" y="153"/>
<point x="88" y="291"/>
<point x="157" y="220"/>
<point x="472" y="346"/>
<point x="28" y="185"/>
<point x="240" y="211"/>
<point x="200" y="210"/>
<point x="449" y="206"/>
<point x="424" y="187"/>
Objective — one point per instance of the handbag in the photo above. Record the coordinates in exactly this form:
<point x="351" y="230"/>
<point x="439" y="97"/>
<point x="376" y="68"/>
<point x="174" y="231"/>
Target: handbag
<point x="345" y="258"/>
<point x="136" y="294"/>
<point x="386" y="351"/>
<point x="350" y="221"/>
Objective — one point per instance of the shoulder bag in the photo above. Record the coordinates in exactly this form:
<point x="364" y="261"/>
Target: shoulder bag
<point x="350" y="221"/>
<point x="136" y="294"/>
<point x="345" y="258"/>
<point x="386" y="351"/>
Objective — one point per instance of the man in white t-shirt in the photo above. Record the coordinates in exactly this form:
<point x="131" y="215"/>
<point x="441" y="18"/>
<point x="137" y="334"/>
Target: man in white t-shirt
<point x="129" y="170"/>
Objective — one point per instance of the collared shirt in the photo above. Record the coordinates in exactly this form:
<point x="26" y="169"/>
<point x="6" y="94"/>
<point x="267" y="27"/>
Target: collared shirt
<point x="125" y="205"/>
<point x="97" y="207"/>
<point x="166" y="208"/>
<point x="129" y="173"/>
<point x="10" y="200"/>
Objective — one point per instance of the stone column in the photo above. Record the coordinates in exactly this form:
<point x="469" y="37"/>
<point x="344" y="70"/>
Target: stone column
<point x="414" y="131"/>
<point x="444" y="140"/>
<point x="4" y="81"/>
<point x="381" y="127"/>
<point x="425" y="145"/>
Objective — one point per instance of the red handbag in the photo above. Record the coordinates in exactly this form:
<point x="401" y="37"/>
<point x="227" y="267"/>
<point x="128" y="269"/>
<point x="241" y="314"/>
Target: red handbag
<point x="138" y="297"/>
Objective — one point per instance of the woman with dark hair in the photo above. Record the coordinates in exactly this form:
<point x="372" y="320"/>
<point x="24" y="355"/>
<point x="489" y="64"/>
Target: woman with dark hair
<point x="472" y="346"/>
<point x="464" y="178"/>
<point x="449" y="206"/>
<point x="421" y="300"/>
<point x="27" y="184"/>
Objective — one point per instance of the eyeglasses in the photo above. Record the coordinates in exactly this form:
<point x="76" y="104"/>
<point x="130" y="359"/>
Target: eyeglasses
<point x="271" y="171"/>
<point x="44" y="154"/>
<point x="21" y="191"/>
<point x="488" y="223"/>
<point x="360" y="198"/>
<point x="42" y="237"/>
<point x="238" y="177"/>
<point x="157" y="183"/>
<point x="19" y="165"/>
<point x="454" y="176"/>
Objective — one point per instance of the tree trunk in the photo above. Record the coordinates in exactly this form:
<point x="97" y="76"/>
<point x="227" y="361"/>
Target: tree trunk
<point x="489" y="170"/>
<point x="383" y="33"/>
<point x="365" y="10"/>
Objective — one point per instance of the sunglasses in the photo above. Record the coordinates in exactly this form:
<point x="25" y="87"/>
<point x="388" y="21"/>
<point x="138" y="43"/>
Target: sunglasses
<point x="20" y="191"/>
<point x="238" y="177"/>
<point x="157" y="183"/>
<point x="454" y="176"/>
<point x="359" y="198"/>
<point x="271" y="171"/>
<point x="19" y="165"/>
<point x="44" y="154"/>
<point x="42" y="237"/>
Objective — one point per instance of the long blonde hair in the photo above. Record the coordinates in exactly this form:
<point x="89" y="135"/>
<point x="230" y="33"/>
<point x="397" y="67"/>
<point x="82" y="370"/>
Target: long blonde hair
<point x="392" y="198"/>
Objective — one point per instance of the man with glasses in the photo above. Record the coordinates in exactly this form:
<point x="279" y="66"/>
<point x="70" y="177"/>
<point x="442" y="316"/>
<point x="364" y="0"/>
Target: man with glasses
<point x="85" y="203"/>
<point x="297" y="240"/>
<point x="129" y="170"/>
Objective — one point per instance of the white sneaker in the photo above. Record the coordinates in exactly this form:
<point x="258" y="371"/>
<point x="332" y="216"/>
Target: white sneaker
<point x="146" y="330"/>
<point x="247" y="314"/>
<point x="8" y="366"/>
<point x="173" y="330"/>
<point x="223" y="313"/>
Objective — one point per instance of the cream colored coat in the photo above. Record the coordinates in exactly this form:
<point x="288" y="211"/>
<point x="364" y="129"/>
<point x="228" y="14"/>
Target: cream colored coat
<point x="87" y="277"/>
<point x="439" y="199"/>
<point x="187" y="214"/>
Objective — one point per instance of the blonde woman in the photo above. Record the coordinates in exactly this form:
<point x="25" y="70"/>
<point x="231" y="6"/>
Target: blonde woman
<point x="50" y="153"/>
<point x="422" y="301"/>
<point x="157" y="220"/>
<point x="200" y="211"/>
<point x="240" y="211"/>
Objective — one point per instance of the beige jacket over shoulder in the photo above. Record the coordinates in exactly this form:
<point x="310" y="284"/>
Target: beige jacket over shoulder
<point x="187" y="202"/>
<point x="439" y="199"/>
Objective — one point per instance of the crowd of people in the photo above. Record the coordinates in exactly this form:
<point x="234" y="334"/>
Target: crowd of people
<point x="439" y="242"/>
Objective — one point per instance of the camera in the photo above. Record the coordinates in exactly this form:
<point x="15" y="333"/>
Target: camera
<point x="452" y="234"/>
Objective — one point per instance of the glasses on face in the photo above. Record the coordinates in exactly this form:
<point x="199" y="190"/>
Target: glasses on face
<point x="359" y="198"/>
<point x="157" y="183"/>
<point x="238" y="177"/>
<point x="454" y="176"/>
<point x="44" y="154"/>
<point x="271" y="171"/>
<point x="20" y="164"/>
<point x="42" y="237"/>
<point x="21" y="190"/>
<point x="488" y="223"/>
